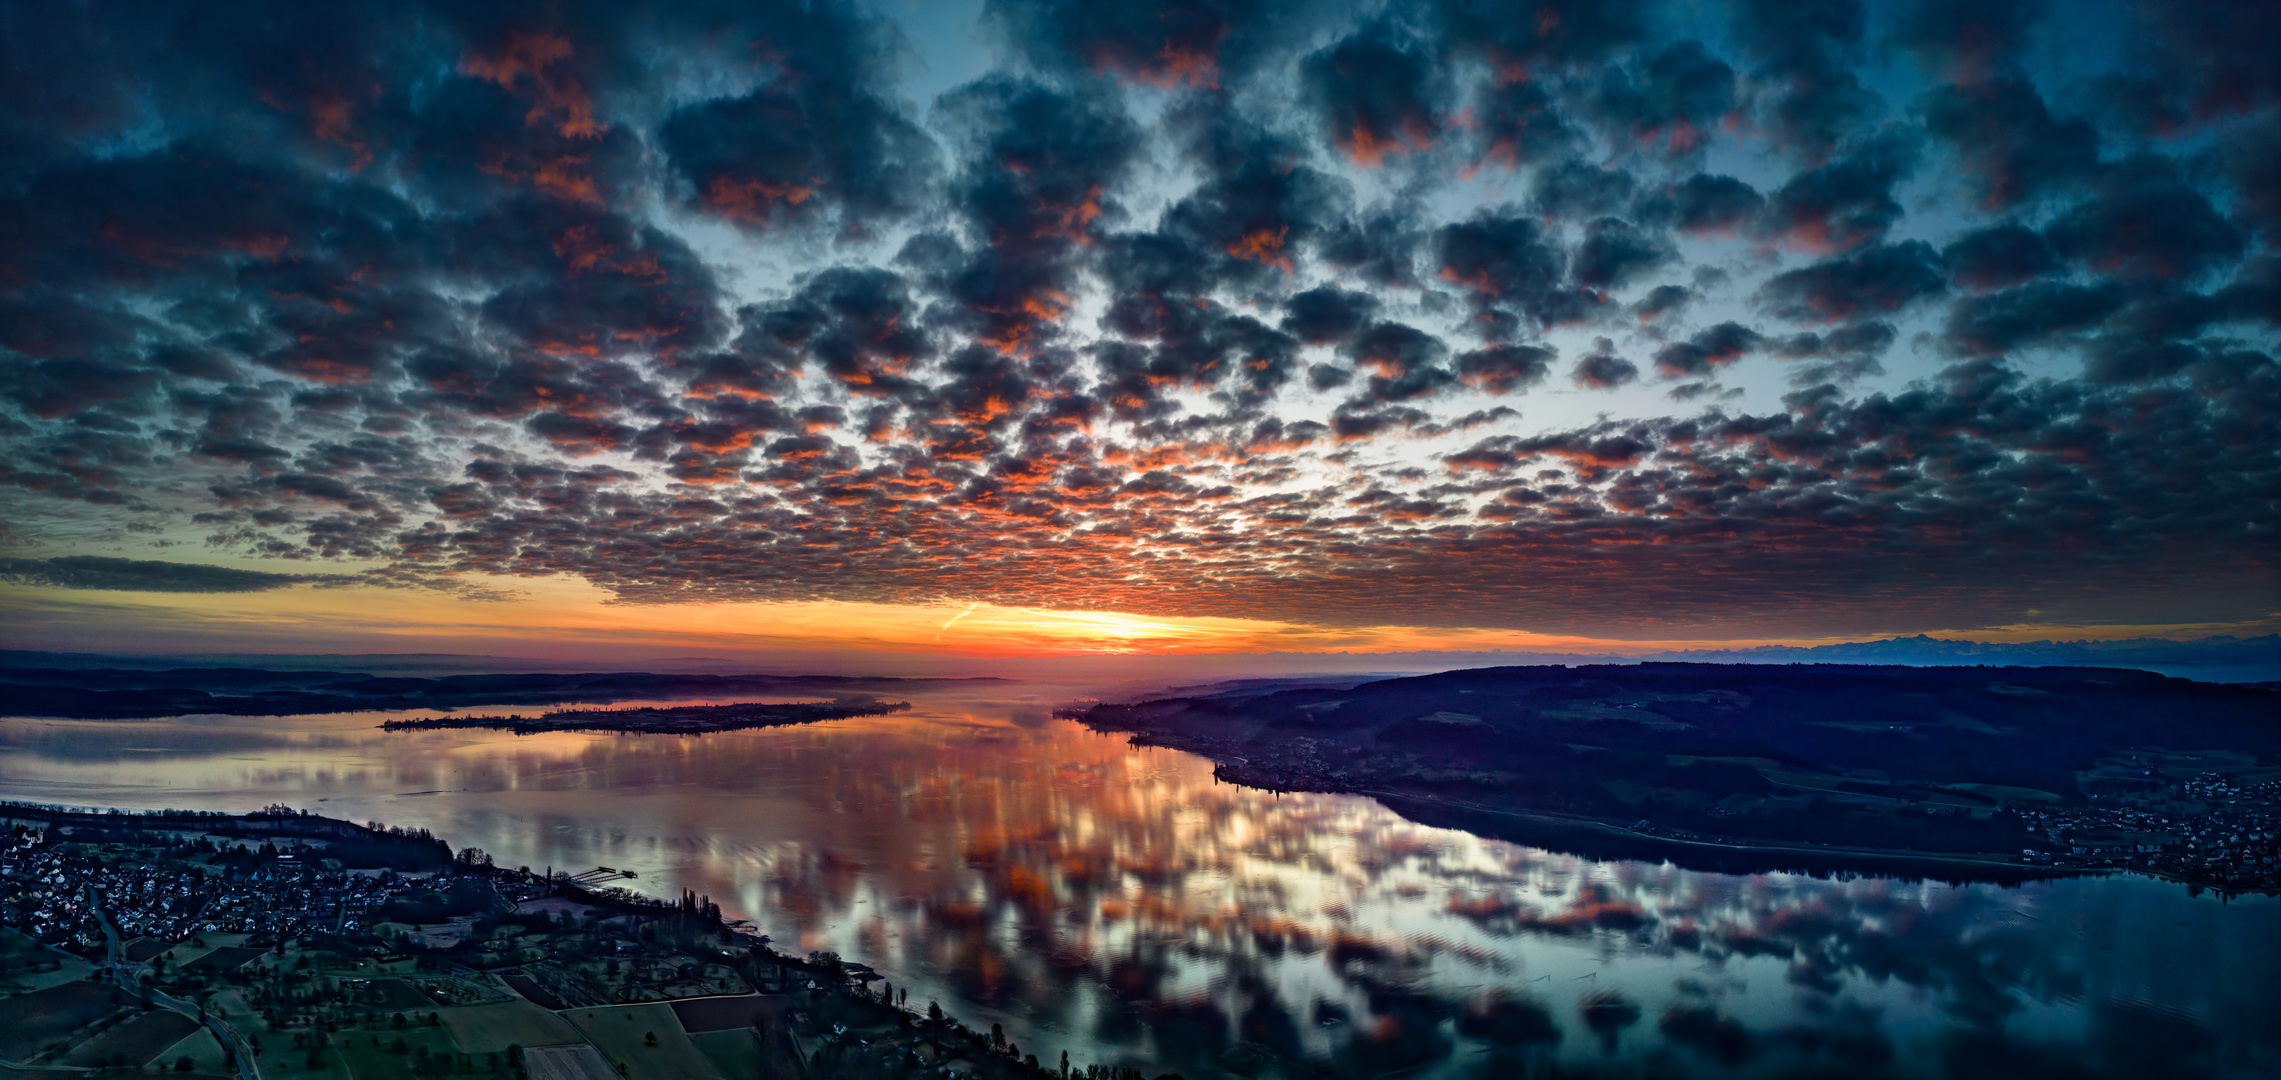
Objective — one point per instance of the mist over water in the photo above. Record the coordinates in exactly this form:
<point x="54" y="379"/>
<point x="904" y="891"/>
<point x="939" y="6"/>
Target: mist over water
<point x="1121" y="904"/>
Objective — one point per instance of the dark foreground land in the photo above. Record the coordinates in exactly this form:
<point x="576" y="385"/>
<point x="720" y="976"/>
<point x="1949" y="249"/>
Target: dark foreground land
<point x="1968" y="773"/>
<point x="679" y="720"/>
<point x="121" y="693"/>
<point x="282" y="944"/>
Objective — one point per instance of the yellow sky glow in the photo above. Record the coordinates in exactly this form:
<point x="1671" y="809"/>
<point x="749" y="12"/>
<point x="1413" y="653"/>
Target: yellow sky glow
<point x="556" y="614"/>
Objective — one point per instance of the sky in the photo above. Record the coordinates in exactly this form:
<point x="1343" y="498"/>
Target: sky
<point x="1021" y="328"/>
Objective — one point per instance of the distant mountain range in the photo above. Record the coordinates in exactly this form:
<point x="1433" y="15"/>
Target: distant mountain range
<point x="2222" y="658"/>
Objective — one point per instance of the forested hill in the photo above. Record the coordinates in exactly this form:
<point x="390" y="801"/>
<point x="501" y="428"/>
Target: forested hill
<point x="1929" y="759"/>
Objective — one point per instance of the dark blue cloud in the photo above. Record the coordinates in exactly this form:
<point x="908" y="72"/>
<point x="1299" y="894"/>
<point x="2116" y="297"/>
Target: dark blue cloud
<point x="1877" y="280"/>
<point x="706" y="300"/>
<point x="148" y="575"/>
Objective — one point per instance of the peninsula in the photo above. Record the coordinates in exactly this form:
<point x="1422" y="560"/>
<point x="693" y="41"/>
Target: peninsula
<point x="676" y="720"/>
<point x="1984" y="773"/>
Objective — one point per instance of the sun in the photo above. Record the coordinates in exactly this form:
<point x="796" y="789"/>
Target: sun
<point x="1111" y="631"/>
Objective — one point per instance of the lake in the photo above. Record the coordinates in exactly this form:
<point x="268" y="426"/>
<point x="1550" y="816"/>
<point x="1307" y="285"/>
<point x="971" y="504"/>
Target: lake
<point x="1121" y="904"/>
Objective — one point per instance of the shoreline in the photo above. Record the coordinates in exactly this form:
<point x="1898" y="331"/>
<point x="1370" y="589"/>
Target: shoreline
<point x="1737" y="769"/>
<point x="1717" y="855"/>
<point x="1609" y="839"/>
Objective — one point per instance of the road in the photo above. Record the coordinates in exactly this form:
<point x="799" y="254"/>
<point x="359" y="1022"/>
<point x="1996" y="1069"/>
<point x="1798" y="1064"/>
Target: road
<point x="129" y="976"/>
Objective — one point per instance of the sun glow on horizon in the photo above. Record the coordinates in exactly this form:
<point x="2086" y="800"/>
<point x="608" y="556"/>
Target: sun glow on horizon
<point x="1110" y="631"/>
<point x="569" y="616"/>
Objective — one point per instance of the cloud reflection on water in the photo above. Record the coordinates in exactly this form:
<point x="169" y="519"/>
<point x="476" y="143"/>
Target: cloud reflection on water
<point x="1123" y="904"/>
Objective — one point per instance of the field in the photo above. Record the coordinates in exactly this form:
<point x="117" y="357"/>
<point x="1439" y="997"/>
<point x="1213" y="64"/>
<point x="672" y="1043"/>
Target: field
<point x="133" y="1043"/>
<point x="44" y="1016"/>
<point x="396" y="994"/>
<point x="483" y="1029"/>
<point x="578" y="1062"/>
<point x="725" y="1013"/>
<point x="26" y="966"/>
<point x="375" y="1055"/>
<point x="524" y="985"/>
<point x="226" y="958"/>
<point x="622" y="1033"/>
<point x="451" y="991"/>
<point x="736" y="1053"/>
<point x="205" y="1054"/>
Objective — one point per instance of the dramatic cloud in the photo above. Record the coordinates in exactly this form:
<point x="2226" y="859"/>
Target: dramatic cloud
<point x="2145" y="222"/>
<point x="2013" y="146"/>
<point x="1845" y="203"/>
<point x="1744" y="317"/>
<point x="1804" y="59"/>
<point x="1602" y="369"/>
<point x="1375" y="97"/>
<point x="144" y="575"/>
<point x="1878" y="280"/>
<point x="1717" y="346"/>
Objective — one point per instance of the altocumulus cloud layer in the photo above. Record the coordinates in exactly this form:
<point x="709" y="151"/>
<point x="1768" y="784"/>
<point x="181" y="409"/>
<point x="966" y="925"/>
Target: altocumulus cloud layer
<point x="1545" y="315"/>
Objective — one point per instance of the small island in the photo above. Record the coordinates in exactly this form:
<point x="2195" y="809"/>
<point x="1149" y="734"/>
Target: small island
<point x="678" y="720"/>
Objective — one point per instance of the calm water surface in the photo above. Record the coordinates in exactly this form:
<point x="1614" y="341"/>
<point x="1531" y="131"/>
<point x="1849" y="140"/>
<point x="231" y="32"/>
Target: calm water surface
<point x="1121" y="904"/>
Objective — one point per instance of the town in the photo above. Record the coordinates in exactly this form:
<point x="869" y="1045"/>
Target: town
<point x="2208" y="831"/>
<point x="283" y="944"/>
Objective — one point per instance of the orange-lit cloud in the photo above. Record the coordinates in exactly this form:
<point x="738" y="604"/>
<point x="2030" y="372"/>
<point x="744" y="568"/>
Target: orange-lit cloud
<point x="532" y="63"/>
<point x="1264" y="246"/>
